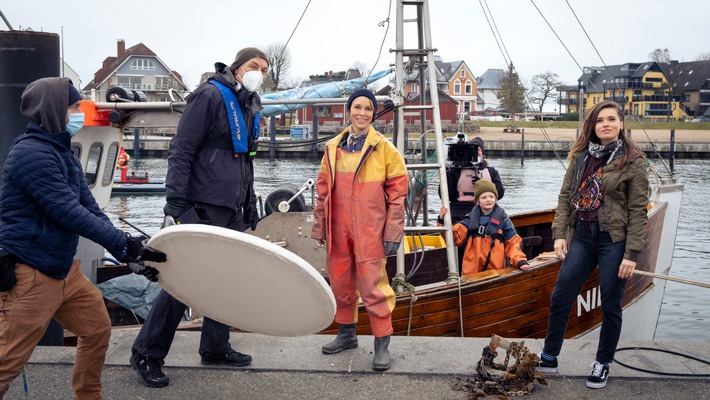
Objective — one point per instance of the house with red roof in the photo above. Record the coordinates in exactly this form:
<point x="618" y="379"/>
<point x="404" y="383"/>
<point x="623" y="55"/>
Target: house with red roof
<point x="137" y="70"/>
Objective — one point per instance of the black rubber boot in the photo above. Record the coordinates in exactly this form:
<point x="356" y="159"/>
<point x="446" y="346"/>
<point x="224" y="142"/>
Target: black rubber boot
<point x="346" y="339"/>
<point x="381" y="362"/>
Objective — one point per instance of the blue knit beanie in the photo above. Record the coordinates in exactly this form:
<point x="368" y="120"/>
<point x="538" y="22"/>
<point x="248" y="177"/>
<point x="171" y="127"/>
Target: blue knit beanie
<point x="74" y="94"/>
<point x="363" y="92"/>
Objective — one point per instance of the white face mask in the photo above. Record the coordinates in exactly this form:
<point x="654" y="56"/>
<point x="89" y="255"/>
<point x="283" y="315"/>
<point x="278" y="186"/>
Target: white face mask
<point x="252" y="80"/>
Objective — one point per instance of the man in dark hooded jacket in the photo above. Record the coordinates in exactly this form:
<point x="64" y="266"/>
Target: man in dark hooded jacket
<point x="210" y="177"/>
<point x="45" y="206"/>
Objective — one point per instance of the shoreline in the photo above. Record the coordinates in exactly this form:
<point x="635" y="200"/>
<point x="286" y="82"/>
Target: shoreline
<point x="533" y="141"/>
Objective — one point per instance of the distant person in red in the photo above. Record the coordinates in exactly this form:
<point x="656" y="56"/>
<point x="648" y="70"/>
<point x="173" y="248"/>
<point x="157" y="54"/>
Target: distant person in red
<point x="122" y="164"/>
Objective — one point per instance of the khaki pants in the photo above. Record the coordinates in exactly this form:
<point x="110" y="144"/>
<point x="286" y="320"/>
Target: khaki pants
<point x="27" y="309"/>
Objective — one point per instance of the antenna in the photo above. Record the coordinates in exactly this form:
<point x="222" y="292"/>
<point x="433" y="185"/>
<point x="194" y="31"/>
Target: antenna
<point x="62" y="36"/>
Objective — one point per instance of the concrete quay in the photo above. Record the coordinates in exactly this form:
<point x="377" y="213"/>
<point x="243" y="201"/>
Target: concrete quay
<point x="422" y="368"/>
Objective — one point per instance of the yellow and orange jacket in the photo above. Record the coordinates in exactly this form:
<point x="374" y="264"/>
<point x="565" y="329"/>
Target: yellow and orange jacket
<point x="379" y="188"/>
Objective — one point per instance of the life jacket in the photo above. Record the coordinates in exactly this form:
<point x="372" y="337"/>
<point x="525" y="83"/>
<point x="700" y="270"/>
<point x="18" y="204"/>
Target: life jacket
<point x="465" y="186"/>
<point x="491" y="229"/>
<point x="241" y="143"/>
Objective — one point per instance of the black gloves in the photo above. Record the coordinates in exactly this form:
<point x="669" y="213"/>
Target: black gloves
<point x="251" y="216"/>
<point x="137" y="252"/>
<point x="175" y="207"/>
<point x="475" y="179"/>
<point x="147" y="271"/>
<point x="390" y="248"/>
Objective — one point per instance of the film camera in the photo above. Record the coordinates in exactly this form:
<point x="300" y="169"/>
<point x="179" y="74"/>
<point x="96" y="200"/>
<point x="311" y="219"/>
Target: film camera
<point x="461" y="153"/>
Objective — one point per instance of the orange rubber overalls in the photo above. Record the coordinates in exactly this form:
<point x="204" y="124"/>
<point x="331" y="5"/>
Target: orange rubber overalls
<point x="361" y="204"/>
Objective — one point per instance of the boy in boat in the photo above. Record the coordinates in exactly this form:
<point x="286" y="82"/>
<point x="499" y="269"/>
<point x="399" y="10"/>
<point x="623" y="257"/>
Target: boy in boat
<point x="488" y="233"/>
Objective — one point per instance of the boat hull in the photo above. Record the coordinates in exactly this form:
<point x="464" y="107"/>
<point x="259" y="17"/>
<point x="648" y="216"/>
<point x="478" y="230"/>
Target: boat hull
<point x="515" y="303"/>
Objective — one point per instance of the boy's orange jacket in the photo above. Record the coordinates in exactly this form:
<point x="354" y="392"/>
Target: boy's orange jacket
<point x="477" y="249"/>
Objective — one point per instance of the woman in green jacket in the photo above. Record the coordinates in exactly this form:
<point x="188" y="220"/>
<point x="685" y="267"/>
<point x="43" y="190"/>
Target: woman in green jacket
<point x="601" y="210"/>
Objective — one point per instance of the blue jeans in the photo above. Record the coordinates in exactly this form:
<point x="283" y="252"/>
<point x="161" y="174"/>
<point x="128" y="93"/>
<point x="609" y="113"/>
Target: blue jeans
<point x="589" y="248"/>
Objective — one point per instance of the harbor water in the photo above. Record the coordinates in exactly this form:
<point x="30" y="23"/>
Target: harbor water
<point x="532" y="186"/>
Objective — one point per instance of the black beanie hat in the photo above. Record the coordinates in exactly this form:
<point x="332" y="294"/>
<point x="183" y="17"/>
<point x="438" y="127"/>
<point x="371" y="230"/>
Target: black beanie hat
<point x="363" y="92"/>
<point x="245" y="55"/>
<point x="74" y="94"/>
<point x="478" y="142"/>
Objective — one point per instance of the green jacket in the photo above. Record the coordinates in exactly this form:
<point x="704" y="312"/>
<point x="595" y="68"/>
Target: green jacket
<point x="624" y="205"/>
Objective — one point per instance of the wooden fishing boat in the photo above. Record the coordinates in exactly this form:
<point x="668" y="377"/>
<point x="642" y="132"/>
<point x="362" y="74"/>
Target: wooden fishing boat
<point x="509" y="302"/>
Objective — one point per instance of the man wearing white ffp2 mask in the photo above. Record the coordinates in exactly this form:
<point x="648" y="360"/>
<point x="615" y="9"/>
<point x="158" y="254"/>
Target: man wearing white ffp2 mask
<point x="250" y="68"/>
<point x="209" y="168"/>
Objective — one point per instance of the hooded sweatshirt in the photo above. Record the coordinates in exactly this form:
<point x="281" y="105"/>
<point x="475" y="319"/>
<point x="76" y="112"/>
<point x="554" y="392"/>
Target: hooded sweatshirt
<point x="46" y="203"/>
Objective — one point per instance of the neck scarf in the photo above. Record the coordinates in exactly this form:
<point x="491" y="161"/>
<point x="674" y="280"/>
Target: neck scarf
<point x="612" y="150"/>
<point x="589" y="195"/>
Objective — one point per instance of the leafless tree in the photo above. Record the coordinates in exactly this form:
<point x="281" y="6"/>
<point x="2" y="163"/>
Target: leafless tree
<point x="361" y="66"/>
<point x="544" y="88"/>
<point x="279" y="59"/>
<point x="664" y="56"/>
<point x="660" y="56"/>
<point x="703" y="56"/>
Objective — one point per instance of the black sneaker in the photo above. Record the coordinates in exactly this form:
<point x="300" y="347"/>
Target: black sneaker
<point x="597" y="378"/>
<point x="149" y="371"/>
<point x="235" y="359"/>
<point x="548" y="367"/>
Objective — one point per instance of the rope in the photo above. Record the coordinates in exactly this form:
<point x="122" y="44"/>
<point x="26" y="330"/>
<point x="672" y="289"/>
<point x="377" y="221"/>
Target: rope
<point x="661" y="372"/>
<point x="385" y="23"/>
<point x="460" y="305"/>
<point x="412" y="298"/>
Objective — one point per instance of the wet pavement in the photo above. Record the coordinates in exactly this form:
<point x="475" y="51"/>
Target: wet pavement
<point x="422" y="368"/>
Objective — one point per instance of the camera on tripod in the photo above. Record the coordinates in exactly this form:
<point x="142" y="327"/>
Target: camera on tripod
<point x="461" y="153"/>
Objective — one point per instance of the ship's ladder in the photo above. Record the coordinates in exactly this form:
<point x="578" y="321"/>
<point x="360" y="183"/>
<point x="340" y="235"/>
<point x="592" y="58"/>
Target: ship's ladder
<point x="422" y="58"/>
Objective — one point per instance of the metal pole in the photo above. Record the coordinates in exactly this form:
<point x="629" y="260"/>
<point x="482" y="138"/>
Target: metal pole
<point x="272" y="135"/>
<point x="672" y="149"/>
<point x="522" y="146"/>
<point x="314" y="148"/>
<point x="137" y="142"/>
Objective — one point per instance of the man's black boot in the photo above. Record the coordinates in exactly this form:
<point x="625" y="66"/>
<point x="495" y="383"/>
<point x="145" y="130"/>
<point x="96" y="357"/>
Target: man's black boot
<point x="149" y="371"/>
<point x="346" y="339"/>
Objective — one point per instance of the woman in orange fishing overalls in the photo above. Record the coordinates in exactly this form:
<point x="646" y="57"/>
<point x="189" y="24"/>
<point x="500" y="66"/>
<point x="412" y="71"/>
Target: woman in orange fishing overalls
<point x="359" y="214"/>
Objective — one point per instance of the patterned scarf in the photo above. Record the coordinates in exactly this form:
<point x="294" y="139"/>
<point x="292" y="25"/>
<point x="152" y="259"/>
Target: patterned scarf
<point x="589" y="195"/>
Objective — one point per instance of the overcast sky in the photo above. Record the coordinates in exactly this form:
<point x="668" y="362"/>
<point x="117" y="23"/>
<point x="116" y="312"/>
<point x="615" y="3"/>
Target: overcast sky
<point x="189" y="36"/>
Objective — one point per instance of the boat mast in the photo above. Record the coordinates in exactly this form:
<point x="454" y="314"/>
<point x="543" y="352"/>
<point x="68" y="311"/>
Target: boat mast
<point x="423" y="56"/>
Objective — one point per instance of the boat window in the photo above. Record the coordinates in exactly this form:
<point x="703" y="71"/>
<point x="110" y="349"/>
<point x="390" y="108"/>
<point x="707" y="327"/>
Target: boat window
<point x="76" y="150"/>
<point x="92" y="165"/>
<point x="110" y="166"/>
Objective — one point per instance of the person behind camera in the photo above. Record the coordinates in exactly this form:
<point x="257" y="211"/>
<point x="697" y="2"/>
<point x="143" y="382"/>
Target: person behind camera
<point x="461" y="178"/>
<point x="45" y="206"/>
<point x="488" y="233"/>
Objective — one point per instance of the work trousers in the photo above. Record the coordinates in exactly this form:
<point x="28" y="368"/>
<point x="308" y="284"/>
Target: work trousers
<point x="27" y="309"/>
<point x="590" y="247"/>
<point x="351" y="280"/>
<point x="158" y="331"/>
